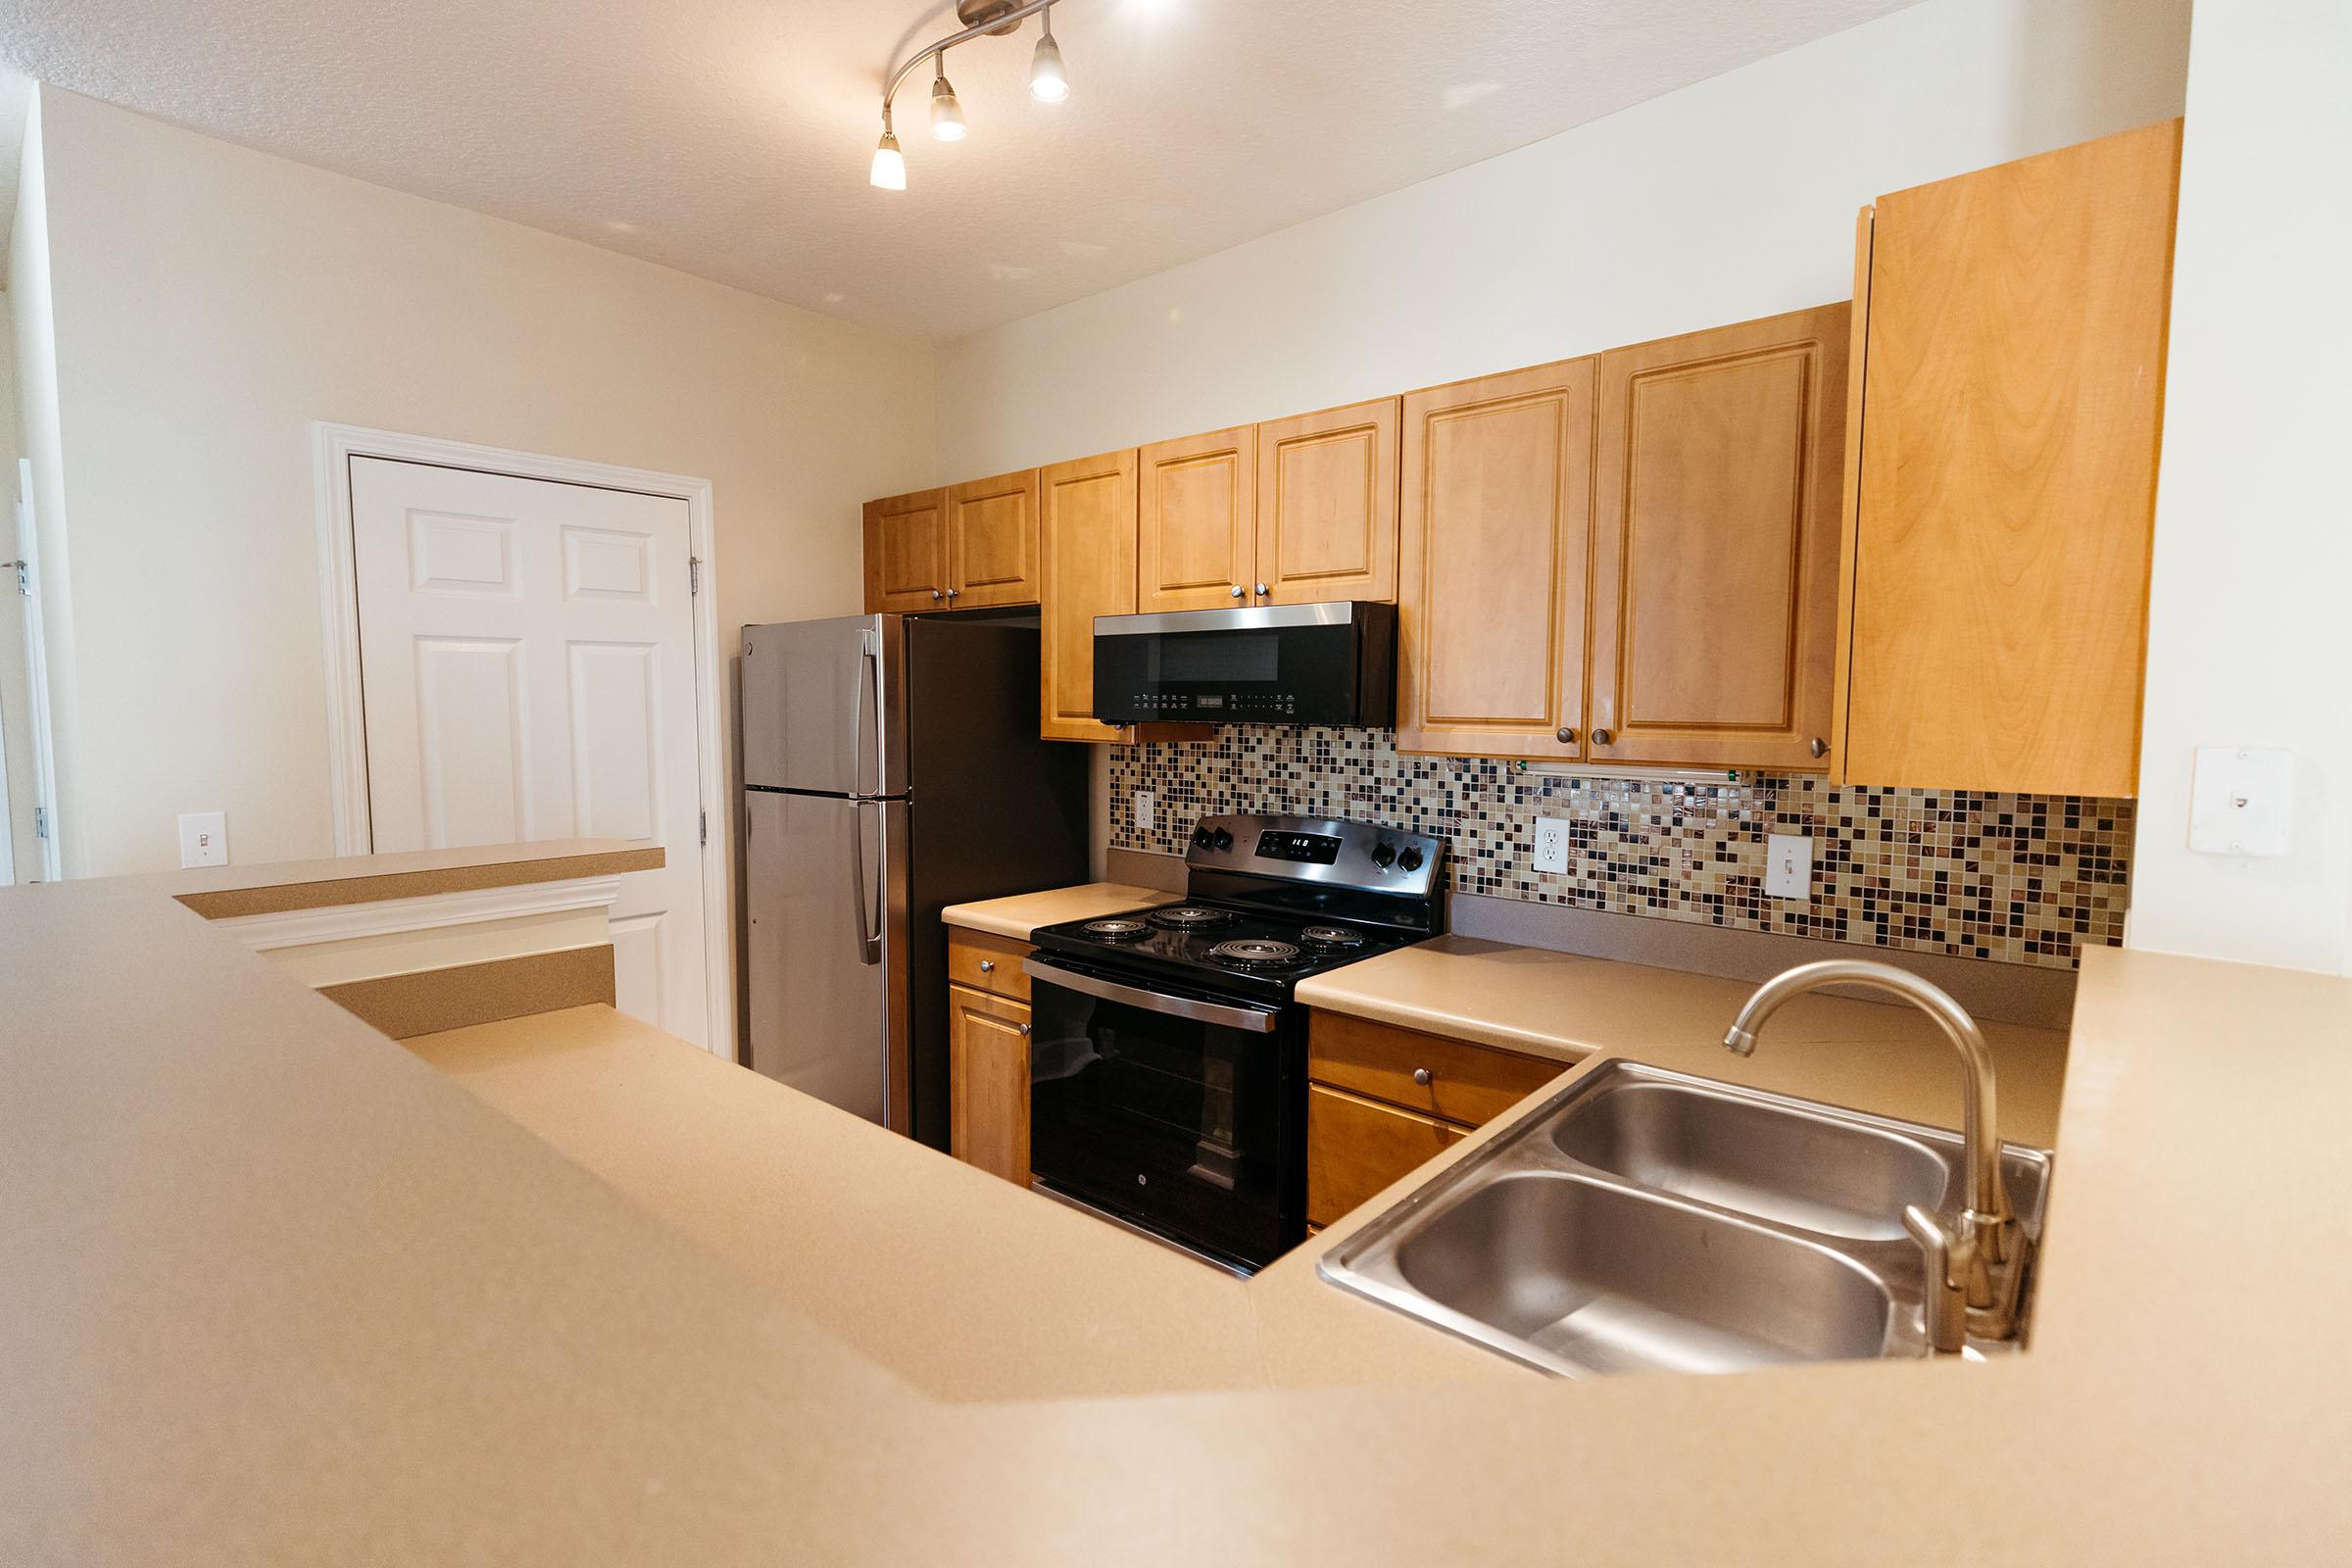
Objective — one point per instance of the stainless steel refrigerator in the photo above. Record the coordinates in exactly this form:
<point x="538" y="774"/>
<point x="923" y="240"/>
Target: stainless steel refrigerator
<point x="891" y="767"/>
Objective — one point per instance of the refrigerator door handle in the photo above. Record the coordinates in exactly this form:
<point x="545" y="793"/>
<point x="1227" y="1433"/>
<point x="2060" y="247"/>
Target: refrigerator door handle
<point x="866" y="679"/>
<point x="870" y="924"/>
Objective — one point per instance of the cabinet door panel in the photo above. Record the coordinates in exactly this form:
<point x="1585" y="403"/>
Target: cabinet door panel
<point x="1087" y="537"/>
<point x="2006" y="502"/>
<point x="1495" y="509"/>
<point x="1715" y="544"/>
<point x="1197" y="521"/>
<point x="1327" y="505"/>
<point x="1355" y="1148"/>
<point x="907" y="553"/>
<point x="992" y="541"/>
<point x="987" y="1066"/>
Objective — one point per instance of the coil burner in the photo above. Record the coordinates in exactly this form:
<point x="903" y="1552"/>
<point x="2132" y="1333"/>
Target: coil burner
<point x="1116" y="930"/>
<point x="1331" y="937"/>
<point x="1190" y="917"/>
<point x="1256" y="952"/>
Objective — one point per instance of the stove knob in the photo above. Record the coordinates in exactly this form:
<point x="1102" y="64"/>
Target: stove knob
<point x="1224" y="840"/>
<point x="1384" y="854"/>
<point x="1202" y="839"/>
<point x="1409" y="860"/>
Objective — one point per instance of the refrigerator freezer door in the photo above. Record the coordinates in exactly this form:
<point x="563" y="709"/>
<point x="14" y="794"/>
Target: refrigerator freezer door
<point x="826" y="951"/>
<point x="823" y="705"/>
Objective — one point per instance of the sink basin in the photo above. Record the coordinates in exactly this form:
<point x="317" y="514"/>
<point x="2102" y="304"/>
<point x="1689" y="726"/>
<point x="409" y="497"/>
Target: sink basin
<point x="1834" y="1177"/>
<point x="1616" y="1281"/>
<point x="1646" y="1220"/>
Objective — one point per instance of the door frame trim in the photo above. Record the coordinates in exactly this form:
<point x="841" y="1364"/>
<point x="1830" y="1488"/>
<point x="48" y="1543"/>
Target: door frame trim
<point x="333" y="446"/>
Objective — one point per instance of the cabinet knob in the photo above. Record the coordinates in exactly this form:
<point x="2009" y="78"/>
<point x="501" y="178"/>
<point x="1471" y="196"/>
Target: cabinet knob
<point x="936" y="594"/>
<point x="1263" y="590"/>
<point x="1567" y="735"/>
<point x="1421" y="1076"/>
<point x="988" y="967"/>
<point x="952" y="592"/>
<point x="1237" y="590"/>
<point x="1602" y="737"/>
<point x="1819" y="747"/>
<point x="1024" y="1028"/>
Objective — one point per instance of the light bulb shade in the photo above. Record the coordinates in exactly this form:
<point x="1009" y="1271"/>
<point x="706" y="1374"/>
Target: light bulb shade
<point x="890" y="165"/>
<point x="1049" y="83"/>
<point x="947" y="115"/>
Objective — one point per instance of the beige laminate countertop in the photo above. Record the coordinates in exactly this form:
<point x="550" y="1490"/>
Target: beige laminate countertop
<point x="272" y="1289"/>
<point x="220" y="892"/>
<point x="1016" y="916"/>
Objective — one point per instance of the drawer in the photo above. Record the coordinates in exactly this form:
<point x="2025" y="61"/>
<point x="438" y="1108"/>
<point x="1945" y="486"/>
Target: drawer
<point x="1356" y="1147"/>
<point x="1467" y="1083"/>
<point x="987" y="963"/>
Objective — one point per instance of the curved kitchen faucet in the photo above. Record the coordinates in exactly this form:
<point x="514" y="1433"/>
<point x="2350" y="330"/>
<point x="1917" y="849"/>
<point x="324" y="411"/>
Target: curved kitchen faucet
<point x="1976" y="1267"/>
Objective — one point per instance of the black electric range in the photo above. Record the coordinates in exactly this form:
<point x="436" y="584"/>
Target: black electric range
<point x="1168" y="1055"/>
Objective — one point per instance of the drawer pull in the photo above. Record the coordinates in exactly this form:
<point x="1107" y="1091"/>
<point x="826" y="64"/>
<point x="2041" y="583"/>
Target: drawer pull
<point x="1421" y="1076"/>
<point x="1025" y="1028"/>
<point x="988" y="967"/>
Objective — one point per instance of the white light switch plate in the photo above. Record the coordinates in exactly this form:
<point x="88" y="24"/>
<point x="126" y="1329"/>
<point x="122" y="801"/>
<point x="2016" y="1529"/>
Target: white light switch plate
<point x="1551" y="844"/>
<point x="2240" y="800"/>
<point x="1788" y="865"/>
<point x="1143" y="809"/>
<point x="204" y="838"/>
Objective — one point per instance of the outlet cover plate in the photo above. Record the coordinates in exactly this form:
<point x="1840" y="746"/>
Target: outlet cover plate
<point x="1551" y="844"/>
<point x="2241" y="800"/>
<point x="1144" y="808"/>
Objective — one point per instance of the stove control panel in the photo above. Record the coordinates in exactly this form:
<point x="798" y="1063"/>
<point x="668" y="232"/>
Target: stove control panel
<point x="1363" y="856"/>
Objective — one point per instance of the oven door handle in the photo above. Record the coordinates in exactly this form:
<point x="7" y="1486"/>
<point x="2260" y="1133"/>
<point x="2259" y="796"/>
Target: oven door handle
<point x="1255" y="1021"/>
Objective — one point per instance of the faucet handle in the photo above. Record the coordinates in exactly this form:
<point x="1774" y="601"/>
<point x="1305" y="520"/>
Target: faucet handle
<point x="1947" y="1306"/>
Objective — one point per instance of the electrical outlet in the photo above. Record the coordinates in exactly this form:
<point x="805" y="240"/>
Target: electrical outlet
<point x="1788" y="865"/>
<point x="204" y="838"/>
<point x="2240" y="800"/>
<point x="1551" y="844"/>
<point x="1143" y="809"/>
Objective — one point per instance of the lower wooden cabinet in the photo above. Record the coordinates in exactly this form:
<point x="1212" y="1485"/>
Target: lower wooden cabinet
<point x="1381" y="1100"/>
<point x="1356" y="1147"/>
<point x="987" y="1066"/>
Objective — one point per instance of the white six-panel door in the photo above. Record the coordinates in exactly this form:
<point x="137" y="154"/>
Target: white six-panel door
<point x="526" y="654"/>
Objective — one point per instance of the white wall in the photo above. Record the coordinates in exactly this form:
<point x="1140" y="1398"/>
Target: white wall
<point x="211" y="302"/>
<point x="2253" y="573"/>
<point x="15" y="740"/>
<point x="1730" y="199"/>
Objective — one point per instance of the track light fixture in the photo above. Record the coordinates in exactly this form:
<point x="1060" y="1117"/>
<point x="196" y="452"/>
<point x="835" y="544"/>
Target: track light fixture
<point x="1049" y="83"/>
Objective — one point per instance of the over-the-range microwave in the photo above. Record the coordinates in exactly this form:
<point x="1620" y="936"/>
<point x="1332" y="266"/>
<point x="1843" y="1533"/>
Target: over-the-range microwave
<point x="1330" y="663"/>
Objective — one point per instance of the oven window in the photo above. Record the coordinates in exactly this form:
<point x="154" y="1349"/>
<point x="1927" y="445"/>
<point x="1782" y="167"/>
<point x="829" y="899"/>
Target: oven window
<point x="1187" y="1128"/>
<point x="1213" y="658"/>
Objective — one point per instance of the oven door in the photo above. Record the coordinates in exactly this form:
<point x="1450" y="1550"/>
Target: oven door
<point x="1181" y="1113"/>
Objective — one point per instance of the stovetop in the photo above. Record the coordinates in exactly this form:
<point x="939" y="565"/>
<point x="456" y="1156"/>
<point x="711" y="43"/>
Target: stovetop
<point x="1271" y="900"/>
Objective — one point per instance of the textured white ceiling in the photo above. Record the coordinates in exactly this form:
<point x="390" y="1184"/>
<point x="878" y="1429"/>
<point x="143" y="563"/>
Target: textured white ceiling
<point x="730" y="137"/>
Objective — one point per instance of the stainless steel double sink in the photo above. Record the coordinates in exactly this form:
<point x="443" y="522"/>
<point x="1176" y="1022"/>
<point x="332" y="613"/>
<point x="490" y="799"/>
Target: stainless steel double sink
<point x="1646" y="1220"/>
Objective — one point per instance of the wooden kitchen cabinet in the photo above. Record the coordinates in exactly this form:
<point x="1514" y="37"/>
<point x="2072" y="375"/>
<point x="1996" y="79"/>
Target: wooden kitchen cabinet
<point x="2002" y="476"/>
<point x="1715" y="535"/>
<point x="1327" y="505"/>
<point x="1381" y="1100"/>
<point x="987" y="1066"/>
<point x="1086" y="562"/>
<point x="992" y="529"/>
<point x="980" y="960"/>
<point x="1494" y="520"/>
<point x="1197" y="521"/>
<point x="907" y="553"/>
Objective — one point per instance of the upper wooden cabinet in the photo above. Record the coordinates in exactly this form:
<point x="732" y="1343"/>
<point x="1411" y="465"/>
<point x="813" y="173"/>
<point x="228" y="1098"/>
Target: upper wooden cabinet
<point x="907" y="553"/>
<point x="1495" y="510"/>
<point x="1087" y="558"/>
<point x="991" y="542"/>
<point x="1327" y="505"/>
<point x="2003" y="497"/>
<point x="1716" y="487"/>
<point x="1196" y="531"/>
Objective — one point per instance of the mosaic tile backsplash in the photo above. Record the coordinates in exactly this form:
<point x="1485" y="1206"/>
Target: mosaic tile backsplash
<point x="2019" y="879"/>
